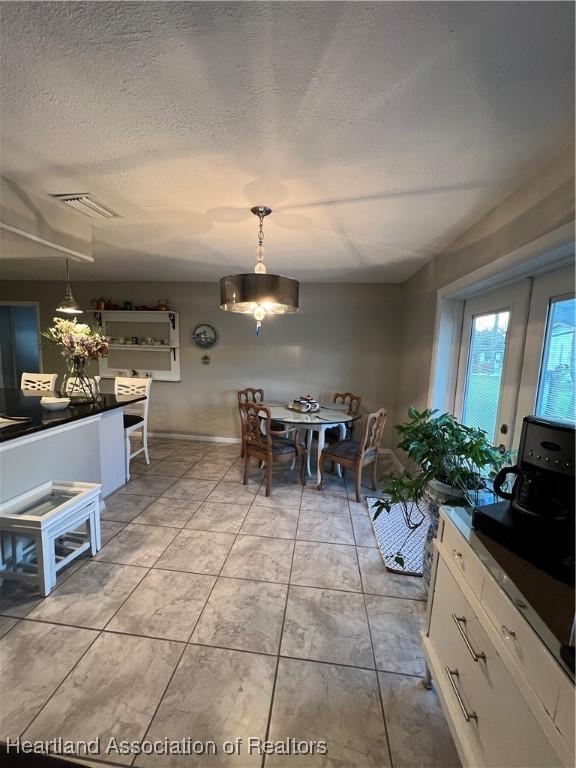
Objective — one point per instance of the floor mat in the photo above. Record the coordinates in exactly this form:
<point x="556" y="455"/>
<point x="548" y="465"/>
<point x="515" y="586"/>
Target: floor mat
<point x="394" y="536"/>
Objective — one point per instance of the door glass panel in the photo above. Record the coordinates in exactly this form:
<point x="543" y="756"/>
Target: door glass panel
<point x="484" y="371"/>
<point x="556" y="397"/>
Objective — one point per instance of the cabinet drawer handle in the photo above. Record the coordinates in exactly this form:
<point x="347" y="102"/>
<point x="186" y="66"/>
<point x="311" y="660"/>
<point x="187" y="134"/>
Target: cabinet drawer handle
<point x="460" y="622"/>
<point x="509" y="634"/>
<point x="452" y="673"/>
<point x="456" y="555"/>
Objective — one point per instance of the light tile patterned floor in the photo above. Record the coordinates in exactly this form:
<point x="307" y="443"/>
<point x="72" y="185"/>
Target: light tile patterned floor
<point x="213" y="612"/>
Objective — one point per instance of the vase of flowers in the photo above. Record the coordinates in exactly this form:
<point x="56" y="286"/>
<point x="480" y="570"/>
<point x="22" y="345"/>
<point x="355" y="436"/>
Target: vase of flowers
<point x="79" y="343"/>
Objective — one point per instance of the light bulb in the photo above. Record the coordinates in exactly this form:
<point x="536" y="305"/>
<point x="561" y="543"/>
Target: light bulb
<point x="260" y="268"/>
<point x="259" y="313"/>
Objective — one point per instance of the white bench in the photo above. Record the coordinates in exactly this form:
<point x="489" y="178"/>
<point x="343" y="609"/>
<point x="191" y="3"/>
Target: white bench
<point x="40" y="530"/>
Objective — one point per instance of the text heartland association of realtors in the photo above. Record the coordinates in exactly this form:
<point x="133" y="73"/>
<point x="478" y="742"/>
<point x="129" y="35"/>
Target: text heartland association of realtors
<point x="252" y="745"/>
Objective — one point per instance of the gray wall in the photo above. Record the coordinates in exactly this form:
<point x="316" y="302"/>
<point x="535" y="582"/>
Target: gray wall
<point x="545" y="203"/>
<point x="346" y="337"/>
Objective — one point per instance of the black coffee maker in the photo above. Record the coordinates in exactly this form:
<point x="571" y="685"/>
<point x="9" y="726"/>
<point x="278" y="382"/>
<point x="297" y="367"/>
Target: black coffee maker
<point x="537" y="518"/>
<point x="544" y="475"/>
<point x="536" y="522"/>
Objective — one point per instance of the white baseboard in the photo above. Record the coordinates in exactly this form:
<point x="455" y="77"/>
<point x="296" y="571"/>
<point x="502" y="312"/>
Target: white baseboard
<point x="390" y="452"/>
<point x="202" y="438"/>
<point x="236" y="440"/>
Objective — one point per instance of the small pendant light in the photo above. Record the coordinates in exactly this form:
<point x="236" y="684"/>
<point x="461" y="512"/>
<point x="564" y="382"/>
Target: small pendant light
<point x="258" y="293"/>
<point x="69" y="305"/>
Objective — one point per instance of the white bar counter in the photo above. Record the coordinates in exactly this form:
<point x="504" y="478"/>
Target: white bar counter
<point x="83" y="443"/>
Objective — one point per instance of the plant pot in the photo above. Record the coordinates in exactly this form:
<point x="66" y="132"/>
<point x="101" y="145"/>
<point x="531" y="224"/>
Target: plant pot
<point x="436" y="494"/>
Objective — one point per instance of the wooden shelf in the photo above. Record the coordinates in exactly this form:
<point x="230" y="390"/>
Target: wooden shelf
<point x="147" y="347"/>
<point x="151" y="312"/>
<point x="154" y="324"/>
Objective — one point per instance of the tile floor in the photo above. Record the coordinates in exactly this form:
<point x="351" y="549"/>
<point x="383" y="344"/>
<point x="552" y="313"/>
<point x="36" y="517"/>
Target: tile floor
<point x="213" y="612"/>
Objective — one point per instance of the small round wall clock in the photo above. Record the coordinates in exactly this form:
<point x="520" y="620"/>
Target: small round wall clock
<point x="204" y="336"/>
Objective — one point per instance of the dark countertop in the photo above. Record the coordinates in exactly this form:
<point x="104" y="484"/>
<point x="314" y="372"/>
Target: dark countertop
<point x="546" y="603"/>
<point x="14" y="403"/>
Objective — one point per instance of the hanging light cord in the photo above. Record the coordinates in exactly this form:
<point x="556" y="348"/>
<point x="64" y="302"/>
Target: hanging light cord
<point x="260" y="249"/>
<point x="261" y="230"/>
<point x="260" y="266"/>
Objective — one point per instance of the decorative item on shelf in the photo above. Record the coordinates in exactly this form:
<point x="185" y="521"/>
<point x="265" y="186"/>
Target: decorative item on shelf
<point x="162" y="305"/>
<point x="79" y="343"/>
<point x="101" y="303"/>
<point x="128" y="306"/>
<point x="69" y="305"/>
<point x="454" y="462"/>
<point x="204" y="336"/>
<point x="259" y="293"/>
<point x="142" y="374"/>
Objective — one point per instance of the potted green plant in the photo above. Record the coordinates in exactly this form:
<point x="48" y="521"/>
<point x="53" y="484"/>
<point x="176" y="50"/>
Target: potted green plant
<point x="452" y="463"/>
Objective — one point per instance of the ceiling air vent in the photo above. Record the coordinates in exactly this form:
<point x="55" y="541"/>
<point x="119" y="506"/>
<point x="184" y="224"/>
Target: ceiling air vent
<point x="85" y="203"/>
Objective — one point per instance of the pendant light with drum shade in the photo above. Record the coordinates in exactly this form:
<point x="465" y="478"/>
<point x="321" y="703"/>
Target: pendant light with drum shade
<point x="258" y="293"/>
<point x="69" y="305"/>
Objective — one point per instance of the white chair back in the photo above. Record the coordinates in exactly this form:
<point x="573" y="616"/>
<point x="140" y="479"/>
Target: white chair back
<point x="127" y="385"/>
<point x="73" y="387"/>
<point x="124" y="385"/>
<point x="38" y="382"/>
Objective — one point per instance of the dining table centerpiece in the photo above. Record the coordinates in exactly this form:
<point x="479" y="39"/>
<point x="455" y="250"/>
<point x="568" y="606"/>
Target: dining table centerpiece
<point x="79" y="344"/>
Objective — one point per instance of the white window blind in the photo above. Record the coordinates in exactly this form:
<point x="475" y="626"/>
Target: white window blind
<point x="556" y="391"/>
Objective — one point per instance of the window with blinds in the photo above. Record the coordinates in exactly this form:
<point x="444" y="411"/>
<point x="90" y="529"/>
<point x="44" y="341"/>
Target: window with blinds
<point x="556" y="387"/>
<point x="484" y="372"/>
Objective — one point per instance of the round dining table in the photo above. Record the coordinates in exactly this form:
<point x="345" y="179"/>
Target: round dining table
<point x="328" y="416"/>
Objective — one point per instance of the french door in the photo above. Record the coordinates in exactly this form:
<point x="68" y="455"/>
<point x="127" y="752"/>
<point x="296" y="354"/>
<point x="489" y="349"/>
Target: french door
<point x="490" y="360"/>
<point x="548" y="380"/>
<point x="518" y="356"/>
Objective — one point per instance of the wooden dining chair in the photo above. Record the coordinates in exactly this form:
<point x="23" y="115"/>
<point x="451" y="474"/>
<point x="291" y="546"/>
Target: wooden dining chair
<point x="261" y="443"/>
<point x="350" y="400"/>
<point x="352" y="404"/>
<point x="354" y="454"/>
<point x="248" y="395"/>
<point x="253" y="395"/>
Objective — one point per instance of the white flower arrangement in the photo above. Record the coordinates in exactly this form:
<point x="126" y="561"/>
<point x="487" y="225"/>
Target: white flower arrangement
<point x="78" y="340"/>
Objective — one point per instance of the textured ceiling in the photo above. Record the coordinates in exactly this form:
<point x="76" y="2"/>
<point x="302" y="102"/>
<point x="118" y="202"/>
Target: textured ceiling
<point x="378" y="132"/>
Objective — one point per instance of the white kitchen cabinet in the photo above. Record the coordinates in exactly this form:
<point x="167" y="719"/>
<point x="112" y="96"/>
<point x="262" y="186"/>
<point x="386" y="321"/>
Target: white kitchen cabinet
<point x="509" y="703"/>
